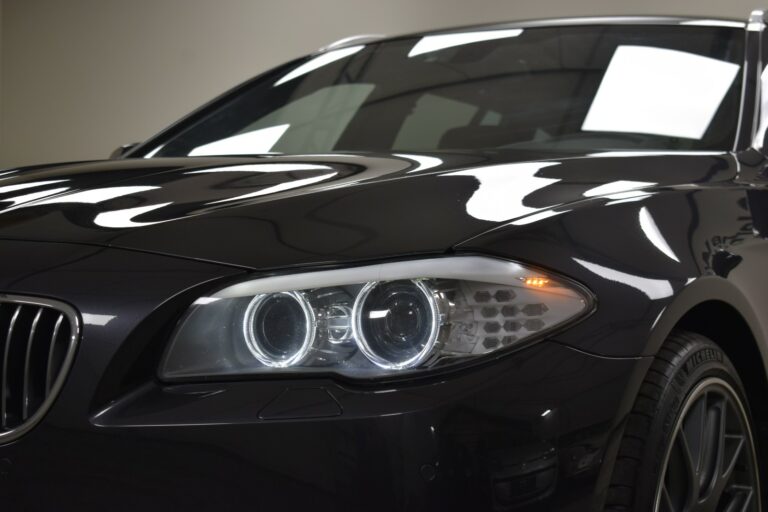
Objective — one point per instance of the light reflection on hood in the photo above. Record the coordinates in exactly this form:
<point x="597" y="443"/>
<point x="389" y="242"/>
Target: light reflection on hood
<point x="281" y="187"/>
<point x="124" y="218"/>
<point x="97" y="195"/>
<point x="503" y="189"/>
<point x="267" y="167"/>
<point x="22" y="200"/>
<point x="22" y="186"/>
<point x="617" y="187"/>
<point x="424" y="162"/>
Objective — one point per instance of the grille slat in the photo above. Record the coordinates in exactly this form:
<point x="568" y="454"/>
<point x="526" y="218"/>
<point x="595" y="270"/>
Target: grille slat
<point x="6" y="399"/>
<point x="28" y="366"/>
<point x="49" y="369"/>
<point x="38" y="338"/>
<point x="6" y="313"/>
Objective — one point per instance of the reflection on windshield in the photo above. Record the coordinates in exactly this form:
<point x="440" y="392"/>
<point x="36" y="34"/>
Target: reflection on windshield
<point x="429" y="44"/>
<point x="316" y="122"/>
<point x="320" y="61"/>
<point x="658" y="91"/>
<point x="759" y="141"/>
<point x="255" y="142"/>
<point x="580" y="89"/>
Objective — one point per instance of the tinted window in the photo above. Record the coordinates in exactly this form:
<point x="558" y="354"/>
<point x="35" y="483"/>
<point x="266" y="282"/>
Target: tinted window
<point x="585" y="88"/>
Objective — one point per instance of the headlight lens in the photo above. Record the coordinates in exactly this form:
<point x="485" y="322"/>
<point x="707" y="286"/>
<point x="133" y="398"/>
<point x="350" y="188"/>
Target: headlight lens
<point x="396" y="323"/>
<point x="370" y="321"/>
<point x="279" y="328"/>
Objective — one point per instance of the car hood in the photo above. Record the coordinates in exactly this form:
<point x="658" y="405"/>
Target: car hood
<point x="282" y="211"/>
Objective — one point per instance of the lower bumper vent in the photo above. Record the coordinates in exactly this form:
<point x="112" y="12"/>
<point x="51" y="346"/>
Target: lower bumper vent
<point x="38" y="338"/>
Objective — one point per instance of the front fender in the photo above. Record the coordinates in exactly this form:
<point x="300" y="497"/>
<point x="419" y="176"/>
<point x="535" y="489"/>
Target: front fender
<point x="648" y="260"/>
<point x="702" y="290"/>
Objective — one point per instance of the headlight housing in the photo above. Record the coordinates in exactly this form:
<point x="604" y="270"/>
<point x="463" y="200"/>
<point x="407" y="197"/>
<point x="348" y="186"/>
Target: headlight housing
<point x="371" y="321"/>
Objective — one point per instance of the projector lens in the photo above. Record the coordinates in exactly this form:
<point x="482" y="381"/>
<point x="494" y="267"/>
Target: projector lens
<point x="279" y="328"/>
<point x="396" y="323"/>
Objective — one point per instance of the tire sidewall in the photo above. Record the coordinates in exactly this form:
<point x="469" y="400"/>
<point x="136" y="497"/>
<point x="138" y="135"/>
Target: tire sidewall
<point x="699" y="362"/>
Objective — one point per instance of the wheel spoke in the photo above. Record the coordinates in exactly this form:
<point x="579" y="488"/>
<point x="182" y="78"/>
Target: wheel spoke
<point x="666" y="501"/>
<point x="711" y="463"/>
<point x="739" y="499"/>
<point x="693" y="432"/>
<point x="689" y="468"/>
<point x="692" y="441"/>
<point x="748" y="500"/>
<point x="733" y="446"/>
<point x="711" y="447"/>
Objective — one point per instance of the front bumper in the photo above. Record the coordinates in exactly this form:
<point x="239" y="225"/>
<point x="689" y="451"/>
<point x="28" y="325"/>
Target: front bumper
<point x="533" y="430"/>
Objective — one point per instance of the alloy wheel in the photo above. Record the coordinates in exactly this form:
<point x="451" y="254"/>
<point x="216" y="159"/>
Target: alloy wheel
<point x="710" y="465"/>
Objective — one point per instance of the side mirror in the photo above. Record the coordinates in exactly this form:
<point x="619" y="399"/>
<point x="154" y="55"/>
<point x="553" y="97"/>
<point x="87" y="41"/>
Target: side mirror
<point x="122" y="150"/>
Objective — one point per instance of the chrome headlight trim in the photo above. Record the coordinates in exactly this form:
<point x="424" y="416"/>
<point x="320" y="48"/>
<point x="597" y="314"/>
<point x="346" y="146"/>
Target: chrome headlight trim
<point x="468" y="268"/>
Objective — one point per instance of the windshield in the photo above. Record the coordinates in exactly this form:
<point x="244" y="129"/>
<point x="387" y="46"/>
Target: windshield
<point x="583" y="88"/>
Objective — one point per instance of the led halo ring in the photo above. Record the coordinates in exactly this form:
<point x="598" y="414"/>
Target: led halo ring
<point x="254" y="345"/>
<point x="364" y="346"/>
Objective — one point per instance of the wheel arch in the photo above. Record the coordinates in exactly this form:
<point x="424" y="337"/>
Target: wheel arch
<point x="716" y="308"/>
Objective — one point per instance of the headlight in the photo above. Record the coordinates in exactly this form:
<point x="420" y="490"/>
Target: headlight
<point x="397" y="323"/>
<point x="371" y="321"/>
<point x="279" y="328"/>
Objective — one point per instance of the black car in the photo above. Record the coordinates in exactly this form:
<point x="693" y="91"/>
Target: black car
<point x="510" y="267"/>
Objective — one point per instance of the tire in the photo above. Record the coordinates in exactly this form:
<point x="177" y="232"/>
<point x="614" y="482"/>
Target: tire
<point x="688" y="443"/>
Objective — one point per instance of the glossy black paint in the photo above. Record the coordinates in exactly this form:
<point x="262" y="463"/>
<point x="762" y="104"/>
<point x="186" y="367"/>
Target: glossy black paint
<point x="360" y="207"/>
<point x="131" y="242"/>
<point x="120" y="440"/>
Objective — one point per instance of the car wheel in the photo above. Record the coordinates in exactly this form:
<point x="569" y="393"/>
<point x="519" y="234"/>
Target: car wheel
<point x="688" y="444"/>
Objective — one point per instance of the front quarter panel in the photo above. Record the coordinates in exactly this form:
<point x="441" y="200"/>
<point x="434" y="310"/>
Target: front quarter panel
<point x="649" y="259"/>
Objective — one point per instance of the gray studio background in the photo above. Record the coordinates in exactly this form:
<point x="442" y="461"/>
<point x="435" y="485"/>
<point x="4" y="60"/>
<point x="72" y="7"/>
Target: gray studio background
<point x="79" y="77"/>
